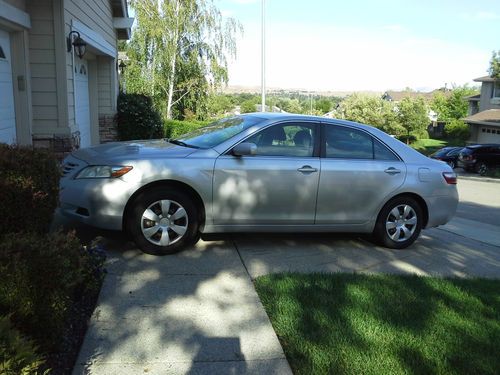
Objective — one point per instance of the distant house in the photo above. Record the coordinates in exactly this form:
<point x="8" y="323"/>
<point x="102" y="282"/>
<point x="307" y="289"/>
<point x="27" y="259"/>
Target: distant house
<point x="51" y="93"/>
<point x="484" y="112"/>
<point x="397" y="96"/>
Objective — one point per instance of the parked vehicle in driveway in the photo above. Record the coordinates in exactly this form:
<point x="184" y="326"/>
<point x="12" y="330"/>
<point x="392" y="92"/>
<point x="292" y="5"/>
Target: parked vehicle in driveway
<point x="447" y="154"/>
<point x="259" y="172"/>
<point x="479" y="158"/>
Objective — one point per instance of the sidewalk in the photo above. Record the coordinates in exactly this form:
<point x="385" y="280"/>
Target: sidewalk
<point x="193" y="313"/>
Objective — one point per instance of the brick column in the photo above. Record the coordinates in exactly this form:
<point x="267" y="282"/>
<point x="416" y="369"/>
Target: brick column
<point x="107" y="129"/>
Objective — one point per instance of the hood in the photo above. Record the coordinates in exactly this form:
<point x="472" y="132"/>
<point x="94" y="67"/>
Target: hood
<point x="131" y="150"/>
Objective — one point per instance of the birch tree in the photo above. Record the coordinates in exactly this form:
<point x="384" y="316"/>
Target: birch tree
<point x="178" y="52"/>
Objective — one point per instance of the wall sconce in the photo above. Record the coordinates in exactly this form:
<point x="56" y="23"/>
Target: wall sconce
<point x="121" y="67"/>
<point x="78" y="43"/>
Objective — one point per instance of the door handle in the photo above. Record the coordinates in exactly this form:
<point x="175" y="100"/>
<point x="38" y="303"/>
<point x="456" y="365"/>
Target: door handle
<point x="392" y="170"/>
<point x="307" y="169"/>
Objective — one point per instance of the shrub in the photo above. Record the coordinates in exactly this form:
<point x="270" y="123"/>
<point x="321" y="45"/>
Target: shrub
<point x="457" y="129"/>
<point x="176" y="128"/>
<point x="41" y="278"/>
<point x="137" y="118"/>
<point x="18" y="355"/>
<point x="29" y="188"/>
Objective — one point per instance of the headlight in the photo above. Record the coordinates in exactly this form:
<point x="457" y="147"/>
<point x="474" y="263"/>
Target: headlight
<point x="103" y="171"/>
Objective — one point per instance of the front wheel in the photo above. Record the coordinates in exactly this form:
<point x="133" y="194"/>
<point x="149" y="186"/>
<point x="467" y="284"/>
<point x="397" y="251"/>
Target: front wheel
<point x="163" y="221"/>
<point x="399" y="223"/>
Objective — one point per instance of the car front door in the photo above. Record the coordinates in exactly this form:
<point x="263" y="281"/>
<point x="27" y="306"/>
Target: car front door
<point x="358" y="172"/>
<point x="278" y="185"/>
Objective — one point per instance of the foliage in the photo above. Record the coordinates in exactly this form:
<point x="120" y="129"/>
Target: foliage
<point x="42" y="275"/>
<point x="29" y="182"/>
<point x="384" y="324"/>
<point x="176" y="128"/>
<point x="18" y="355"/>
<point x="137" y="118"/>
<point x="323" y="105"/>
<point x="249" y="105"/>
<point x="494" y="69"/>
<point x="413" y="116"/>
<point x="177" y="52"/>
<point x="453" y="106"/>
<point x="371" y="110"/>
<point x="457" y="129"/>
<point x="219" y="104"/>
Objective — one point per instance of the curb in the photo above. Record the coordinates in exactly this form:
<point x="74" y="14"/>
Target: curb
<point x="480" y="179"/>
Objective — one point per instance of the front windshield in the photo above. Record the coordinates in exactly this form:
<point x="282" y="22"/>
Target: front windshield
<point x="218" y="132"/>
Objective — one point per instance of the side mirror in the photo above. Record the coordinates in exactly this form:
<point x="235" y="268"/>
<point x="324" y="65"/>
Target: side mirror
<point x="245" y="148"/>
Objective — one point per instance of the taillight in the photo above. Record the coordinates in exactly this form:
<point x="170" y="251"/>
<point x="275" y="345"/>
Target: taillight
<point x="450" y="178"/>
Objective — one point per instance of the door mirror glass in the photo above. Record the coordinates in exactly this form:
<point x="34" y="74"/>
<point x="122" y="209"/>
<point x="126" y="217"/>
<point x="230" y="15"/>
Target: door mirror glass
<point x="245" y="148"/>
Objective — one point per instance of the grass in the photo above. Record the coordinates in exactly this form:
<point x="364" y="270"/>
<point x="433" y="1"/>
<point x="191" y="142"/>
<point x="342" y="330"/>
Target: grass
<point x="384" y="324"/>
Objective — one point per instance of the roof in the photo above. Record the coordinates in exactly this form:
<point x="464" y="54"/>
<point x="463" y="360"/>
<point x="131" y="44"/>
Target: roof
<point x="485" y="79"/>
<point x="473" y="98"/>
<point x="490" y="116"/>
<point x="397" y="96"/>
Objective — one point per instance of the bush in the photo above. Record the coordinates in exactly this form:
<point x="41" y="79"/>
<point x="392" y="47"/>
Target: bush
<point x="29" y="186"/>
<point x="176" y="128"/>
<point x="457" y="129"/>
<point x="18" y="355"/>
<point x="42" y="276"/>
<point x="137" y="118"/>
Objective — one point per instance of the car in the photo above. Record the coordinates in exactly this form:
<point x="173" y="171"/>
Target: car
<point x="447" y="154"/>
<point x="259" y="172"/>
<point x="479" y="158"/>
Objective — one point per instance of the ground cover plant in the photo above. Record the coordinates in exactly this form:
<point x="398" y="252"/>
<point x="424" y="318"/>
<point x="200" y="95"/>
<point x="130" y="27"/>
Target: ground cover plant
<point x="384" y="324"/>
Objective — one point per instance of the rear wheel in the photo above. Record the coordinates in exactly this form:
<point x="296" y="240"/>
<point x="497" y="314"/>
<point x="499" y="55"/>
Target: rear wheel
<point x="452" y="164"/>
<point x="163" y="221"/>
<point x="481" y="169"/>
<point x="399" y="223"/>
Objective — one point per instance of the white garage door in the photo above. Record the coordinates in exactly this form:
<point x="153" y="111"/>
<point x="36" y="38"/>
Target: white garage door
<point x="488" y="135"/>
<point x="7" y="113"/>
<point x="82" y="110"/>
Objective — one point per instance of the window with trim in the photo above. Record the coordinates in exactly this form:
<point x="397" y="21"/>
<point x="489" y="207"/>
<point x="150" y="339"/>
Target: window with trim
<point x="290" y="139"/>
<point x="496" y="89"/>
<point x="346" y="143"/>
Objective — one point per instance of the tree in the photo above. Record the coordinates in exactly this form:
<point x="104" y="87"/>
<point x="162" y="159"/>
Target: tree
<point x="413" y="116"/>
<point x="178" y="51"/>
<point x="495" y="65"/>
<point x="453" y="106"/>
<point x="371" y="110"/>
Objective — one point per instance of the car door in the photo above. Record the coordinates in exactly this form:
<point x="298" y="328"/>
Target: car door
<point x="358" y="172"/>
<point x="278" y="185"/>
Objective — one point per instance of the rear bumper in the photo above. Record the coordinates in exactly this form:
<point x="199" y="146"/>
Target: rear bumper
<point x="441" y="209"/>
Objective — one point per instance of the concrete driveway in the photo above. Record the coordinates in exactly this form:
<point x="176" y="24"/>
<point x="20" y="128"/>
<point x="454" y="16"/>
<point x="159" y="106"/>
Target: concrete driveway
<point x="197" y="312"/>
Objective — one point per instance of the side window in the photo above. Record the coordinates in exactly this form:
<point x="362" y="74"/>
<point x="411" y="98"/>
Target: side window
<point x="346" y="143"/>
<point x="291" y="139"/>
<point x="381" y="152"/>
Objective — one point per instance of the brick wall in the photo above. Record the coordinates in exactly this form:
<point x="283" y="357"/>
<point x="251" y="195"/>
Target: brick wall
<point x="107" y="129"/>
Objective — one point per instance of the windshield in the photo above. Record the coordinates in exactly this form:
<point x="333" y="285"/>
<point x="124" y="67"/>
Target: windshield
<point x="217" y="132"/>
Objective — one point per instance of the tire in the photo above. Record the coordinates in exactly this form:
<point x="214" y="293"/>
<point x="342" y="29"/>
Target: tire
<point x="399" y="223"/>
<point x="452" y="164"/>
<point x="481" y="169"/>
<point x="163" y="221"/>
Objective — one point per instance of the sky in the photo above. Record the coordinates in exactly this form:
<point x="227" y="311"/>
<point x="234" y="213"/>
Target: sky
<point x="354" y="45"/>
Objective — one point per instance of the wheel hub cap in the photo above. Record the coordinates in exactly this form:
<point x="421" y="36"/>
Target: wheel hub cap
<point x="401" y="223"/>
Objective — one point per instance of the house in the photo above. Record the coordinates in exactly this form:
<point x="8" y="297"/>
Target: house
<point x="58" y="70"/>
<point x="484" y="112"/>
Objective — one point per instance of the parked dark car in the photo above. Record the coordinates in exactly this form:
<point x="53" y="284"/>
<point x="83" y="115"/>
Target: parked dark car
<point x="447" y="154"/>
<point x="479" y="158"/>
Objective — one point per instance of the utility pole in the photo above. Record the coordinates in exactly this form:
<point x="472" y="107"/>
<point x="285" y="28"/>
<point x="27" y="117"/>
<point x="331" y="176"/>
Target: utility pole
<point x="263" y="55"/>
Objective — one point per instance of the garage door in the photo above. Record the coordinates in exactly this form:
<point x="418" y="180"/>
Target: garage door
<point x="82" y="110"/>
<point x="7" y="113"/>
<point x="488" y="135"/>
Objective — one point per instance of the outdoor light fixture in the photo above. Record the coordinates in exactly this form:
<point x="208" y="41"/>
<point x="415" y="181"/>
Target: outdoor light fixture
<point x="121" y="67"/>
<point x="78" y="43"/>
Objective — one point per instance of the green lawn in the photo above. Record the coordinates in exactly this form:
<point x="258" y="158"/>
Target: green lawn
<point x="384" y="324"/>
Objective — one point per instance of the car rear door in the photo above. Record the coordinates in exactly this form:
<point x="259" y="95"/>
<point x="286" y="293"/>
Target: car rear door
<point x="278" y="185"/>
<point x="358" y="172"/>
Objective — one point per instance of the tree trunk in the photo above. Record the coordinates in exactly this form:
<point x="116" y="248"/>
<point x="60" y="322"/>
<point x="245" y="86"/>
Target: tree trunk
<point x="173" y="63"/>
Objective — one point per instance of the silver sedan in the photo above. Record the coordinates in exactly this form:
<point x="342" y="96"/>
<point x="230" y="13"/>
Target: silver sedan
<point x="259" y="172"/>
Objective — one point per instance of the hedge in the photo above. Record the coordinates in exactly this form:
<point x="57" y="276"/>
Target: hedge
<point x="137" y="118"/>
<point x="29" y="188"/>
<point x="42" y="277"/>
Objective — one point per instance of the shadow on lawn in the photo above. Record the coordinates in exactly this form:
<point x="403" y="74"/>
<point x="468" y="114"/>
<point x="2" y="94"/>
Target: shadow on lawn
<point x="351" y="324"/>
